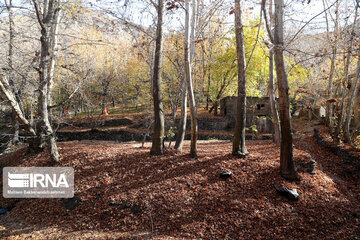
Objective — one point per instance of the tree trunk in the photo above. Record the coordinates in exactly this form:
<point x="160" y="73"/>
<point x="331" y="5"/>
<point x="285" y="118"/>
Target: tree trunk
<point x="239" y="148"/>
<point x="343" y="112"/>
<point x="188" y="76"/>
<point x="15" y="124"/>
<point x="182" y="125"/>
<point x="53" y="52"/>
<point x="208" y="89"/>
<point x="16" y="129"/>
<point x="5" y="89"/>
<point x="46" y="22"/>
<point x="27" y="126"/>
<point x="158" y="134"/>
<point x="354" y="91"/>
<point x="216" y="107"/>
<point x="287" y="167"/>
<point x="204" y="70"/>
<point x="329" y="105"/>
<point x="273" y="107"/>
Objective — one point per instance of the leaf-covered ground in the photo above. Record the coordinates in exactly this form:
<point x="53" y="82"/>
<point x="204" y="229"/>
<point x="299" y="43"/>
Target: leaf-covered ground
<point x="126" y="193"/>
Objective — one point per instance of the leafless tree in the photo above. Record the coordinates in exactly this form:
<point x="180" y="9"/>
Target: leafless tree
<point x="158" y="134"/>
<point x="47" y="18"/>
<point x="239" y="147"/>
<point x="188" y="74"/>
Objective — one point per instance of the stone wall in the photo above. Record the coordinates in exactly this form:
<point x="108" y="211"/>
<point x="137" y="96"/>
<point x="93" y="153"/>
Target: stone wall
<point x="258" y="112"/>
<point x="357" y="111"/>
<point x="348" y="157"/>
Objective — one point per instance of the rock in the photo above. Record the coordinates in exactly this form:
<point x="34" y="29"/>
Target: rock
<point x="9" y="208"/>
<point x="123" y="206"/>
<point x="224" y="175"/>
<point x="135" y="209"/>
<point x="71" y="203"/>
<point x="3" y="211"/>
<point x="120" y="205"/>
<point x="290" y="194"/>
<point x="311" y="167"/>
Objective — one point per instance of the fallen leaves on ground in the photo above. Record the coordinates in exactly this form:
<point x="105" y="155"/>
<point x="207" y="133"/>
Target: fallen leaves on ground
<point x="123" y="189"/>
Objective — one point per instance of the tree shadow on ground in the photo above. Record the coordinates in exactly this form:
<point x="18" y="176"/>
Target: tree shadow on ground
<point x="179" y="196"/>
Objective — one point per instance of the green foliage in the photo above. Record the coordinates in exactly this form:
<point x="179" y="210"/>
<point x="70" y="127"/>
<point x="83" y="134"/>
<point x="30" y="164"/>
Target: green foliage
<point x="224" y="69"/>
<point x="223" y="73"/>
<point x="170" y="133"/>
<point x="257" y="70"/>
<point x="262" y="117"/>
<point x="106" y="73"/>
<point x="212" y="138"/>
<point x="253" y="128"/>
<point x="297" y="77"/>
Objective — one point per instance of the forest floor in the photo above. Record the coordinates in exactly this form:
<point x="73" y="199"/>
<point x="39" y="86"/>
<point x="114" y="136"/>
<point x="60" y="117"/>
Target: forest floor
<point x="125" y="193"/>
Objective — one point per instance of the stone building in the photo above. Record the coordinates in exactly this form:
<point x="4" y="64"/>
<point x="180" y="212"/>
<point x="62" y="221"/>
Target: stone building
<point x="357" y="111"/>
<point x="258" y="112"/>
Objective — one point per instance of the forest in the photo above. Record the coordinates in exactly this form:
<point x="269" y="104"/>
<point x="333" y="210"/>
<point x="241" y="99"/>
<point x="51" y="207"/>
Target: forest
<point x="181" y="119"/>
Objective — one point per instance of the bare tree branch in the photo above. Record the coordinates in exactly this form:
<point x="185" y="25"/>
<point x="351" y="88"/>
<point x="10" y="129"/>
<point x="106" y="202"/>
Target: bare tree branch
<point x="65" y="100"/>
<point x="266" y="21"/>
<point x="256" y="41"/>
<point x="37" y="11"/>
<point x="297" y="33"/>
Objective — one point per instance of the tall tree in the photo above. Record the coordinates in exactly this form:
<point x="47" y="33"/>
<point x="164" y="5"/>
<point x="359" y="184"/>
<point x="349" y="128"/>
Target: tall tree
<point x="5" y="89"/>
<point x="9" y="89"/>
<point x="342" y="119"/>
<point x="180" y="135"/>
<point x="53" y="52"/>
<point x="239" y="147"/>
<point x="273" y="106"/>
<point x="182" y="125"/>
<point x="287" y="166"/>
<point x="9" y="6"/>
<point x="158" y="134"/>
<point x="354" y="91"/>
<point x="329" y="106"/>
<point x="46" y="17"/>
<point x="188" y="74"/>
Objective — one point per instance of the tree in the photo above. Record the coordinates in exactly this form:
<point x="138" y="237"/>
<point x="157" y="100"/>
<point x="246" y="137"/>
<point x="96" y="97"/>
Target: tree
<point x="354" y="91"/>
<point x="53" y="52"/>
<point x="224" y="72"/>
<point x="342" y="119"/>
<point x="201" y="19"/>
<point x="273" y="106"/>
<point x="188" y="74"/>
<point x="47" y="19"/>
<point x="223" y="67"/>
<point x="176" y="58"/>
<point x="287" y="166"/>
<point x="239" y="148"/>
<point x="14" y="104"/>
<point x="329" y="106"/>
<point x="180" y="135"/>
<point x="158" y="134"/>
<point x="9" y="6"/>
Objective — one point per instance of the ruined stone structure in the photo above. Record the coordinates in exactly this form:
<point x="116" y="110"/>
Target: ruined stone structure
<point x="357" y="111"/>
<point x="258" y="112"/>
